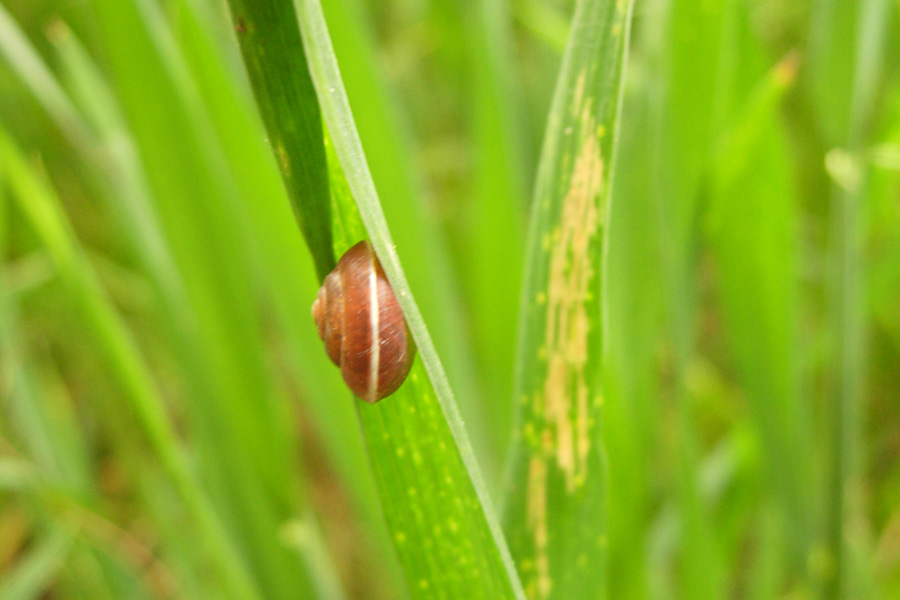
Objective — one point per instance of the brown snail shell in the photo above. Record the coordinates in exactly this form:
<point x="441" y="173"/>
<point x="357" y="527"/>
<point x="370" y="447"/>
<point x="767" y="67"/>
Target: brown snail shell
<point x="363" y="328"/>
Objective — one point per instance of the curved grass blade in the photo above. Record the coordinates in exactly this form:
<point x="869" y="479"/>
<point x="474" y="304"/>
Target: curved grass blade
<point x="244" y="435"/>
<point x="420" y="240"/>
<point x="289" y="278"/>
<point x="434" y="499"/>
<point x="556" y="500"/>
<point x="40" y="206"/>
<point x="288" y="106"/>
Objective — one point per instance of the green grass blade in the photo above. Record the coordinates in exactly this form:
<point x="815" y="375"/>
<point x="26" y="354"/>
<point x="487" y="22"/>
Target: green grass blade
<point x="44" y="426"/>
<point x="848" y="42"/>
<point x="129" y="199"/>
<point x="25" y="61"/>
<point x="688" y="48"/>
<point x="556" y="502"/>
<point x="420" y="241"/>
<point x="103" y="142"/>
<point x="832" y="56"/>
<point x="767" y="572"/>
<point x="631" y="414"/>
<point x="165" y="403"/>
<point x="285" y="271"/>
<point x="271" y="46"/>
<point x="33" y="575"/>
<point x="244" y="432"/>
<point x="430" y="484"/>
<point x="115" y="166"/>
<point x="754" y="240"/>
<point x="492" y="250"/>
<point x="41" y="208"/>
<point x="47" y="426"/>
<point x="546" y="22"/>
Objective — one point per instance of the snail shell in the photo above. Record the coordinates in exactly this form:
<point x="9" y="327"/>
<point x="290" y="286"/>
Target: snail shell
<point x="363" y="328"/>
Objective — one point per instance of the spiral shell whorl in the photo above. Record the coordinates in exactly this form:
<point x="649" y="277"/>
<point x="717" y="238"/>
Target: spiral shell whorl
<point x="363" y="328"/>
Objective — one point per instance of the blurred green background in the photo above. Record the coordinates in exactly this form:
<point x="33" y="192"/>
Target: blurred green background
<point x="170" y="427"/>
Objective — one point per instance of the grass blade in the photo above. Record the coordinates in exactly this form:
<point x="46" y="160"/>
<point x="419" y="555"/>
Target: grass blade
<point x="491" y="249"/>
<point x="556" y="514"/>
<point x="754" y="244"/>
<point x="693" y="37"/>
<point x="420" y="241"/>
<point x="426" y="472"/>
<point x="844" y="95"/>
<point x="18" y="52"/>
<point x="634" y="302"/>
<point x="42" y="209"/>
<point x="267" y="33"/>
<point x="243" y="429"/>
<point x="284" y="268"/>
<point x="35" y="572"/>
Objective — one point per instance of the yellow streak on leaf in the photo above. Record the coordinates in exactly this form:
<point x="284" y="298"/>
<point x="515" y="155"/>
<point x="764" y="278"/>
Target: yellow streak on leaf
<point x="578" y="97"/>
<point x="571" y="272"/>
<point x="537" y="521"/>
<point x="283" y="159"/>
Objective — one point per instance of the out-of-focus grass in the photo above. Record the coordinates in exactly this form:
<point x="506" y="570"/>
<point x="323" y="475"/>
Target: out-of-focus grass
<point x="169" y="426"/>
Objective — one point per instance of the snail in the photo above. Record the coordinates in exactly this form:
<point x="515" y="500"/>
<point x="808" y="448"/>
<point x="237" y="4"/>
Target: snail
<point x="363" y="328"/>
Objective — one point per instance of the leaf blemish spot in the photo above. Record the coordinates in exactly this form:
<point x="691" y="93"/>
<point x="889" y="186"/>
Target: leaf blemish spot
<point x="283" y="159"/>
<point x="571" y="273"/>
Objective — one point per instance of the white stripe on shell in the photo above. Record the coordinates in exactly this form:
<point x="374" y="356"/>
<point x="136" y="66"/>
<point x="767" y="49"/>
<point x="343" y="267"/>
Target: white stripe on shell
<point x="375" y="349"/>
